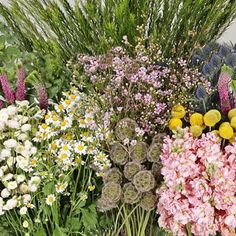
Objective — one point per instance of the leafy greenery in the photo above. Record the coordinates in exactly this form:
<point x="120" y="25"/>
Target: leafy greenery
<point x="47" y="68"/>
<point x="50" y="27"/>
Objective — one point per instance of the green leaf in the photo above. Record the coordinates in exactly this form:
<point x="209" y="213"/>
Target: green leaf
<point x="89" y="217"/>
<point x="75" y="223"/>
<point x="48" y="188"/>
<point x="40" y="232"/>
<point x="58" y="231"/>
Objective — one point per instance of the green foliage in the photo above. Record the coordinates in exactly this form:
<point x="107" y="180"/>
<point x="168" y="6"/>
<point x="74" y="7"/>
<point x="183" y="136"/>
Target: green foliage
<point x="94" y="26"/>
<point x="47" y="67"/>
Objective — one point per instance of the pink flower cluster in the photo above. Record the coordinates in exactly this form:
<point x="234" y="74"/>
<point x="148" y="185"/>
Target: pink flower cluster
<point x="142" y="88"/>
<point x="199" y="194"/>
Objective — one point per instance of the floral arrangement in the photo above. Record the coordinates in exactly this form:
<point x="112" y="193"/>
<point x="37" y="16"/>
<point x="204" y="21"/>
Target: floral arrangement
<point x="112" y="123"/>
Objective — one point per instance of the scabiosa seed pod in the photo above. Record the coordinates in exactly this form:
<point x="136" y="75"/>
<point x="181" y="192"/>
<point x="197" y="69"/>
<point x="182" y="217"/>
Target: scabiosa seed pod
<point x="139" y="152"/>
<point x="154" y="152"/>
<point x="223" y="88"/>
<point x="130" y="194"/>
<point x="112" y="192"/>
<point x="7" y="90"/>
<point x="42" y="96"/>
<point x="118" y="154"/>
<point x="148" y="201"/>
<point x="125" y="128"/>
<point x="113" y="175"/>
<point x="103" y="205"/>
<point x="20" y="84"/>
<point x="144" y="181"/>
<point x="131" y="169"/>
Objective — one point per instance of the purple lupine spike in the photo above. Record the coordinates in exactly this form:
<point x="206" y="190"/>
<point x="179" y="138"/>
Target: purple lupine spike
<point x="7" y="90"/>
<point x="223" y="88"/>
<point x="42" y="96"/>
<point x="1" y="105"/>
<point x="20" y="84"/>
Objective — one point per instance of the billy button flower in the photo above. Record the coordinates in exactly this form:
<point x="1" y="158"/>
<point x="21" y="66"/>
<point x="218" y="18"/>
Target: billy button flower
<point x="174" y="123"/>
<point x="226" y="131"/>
<point x="232" y="113"/>
<point x="196" y="130"/>
<point x="211" y="118"/>
<point x="233" y="122"/>
<point x="178" y="111"/>
<point x="196" y="119"/>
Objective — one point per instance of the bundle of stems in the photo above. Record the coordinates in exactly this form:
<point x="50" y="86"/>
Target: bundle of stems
<point x="94" y="26"/>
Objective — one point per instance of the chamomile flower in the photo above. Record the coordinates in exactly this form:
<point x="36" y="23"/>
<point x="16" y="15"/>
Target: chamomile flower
<point x="59" y="108"/>
<point x="66" y="123"/>
<point x="50" y="199"/>
<point x="61" y="187"/>
<point x="80" y="148"/>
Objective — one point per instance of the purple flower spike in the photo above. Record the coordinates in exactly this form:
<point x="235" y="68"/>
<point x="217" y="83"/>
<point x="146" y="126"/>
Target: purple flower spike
<point x="42" y="96"/>
<point x="7" y="90"/>
<point x="1" y="105"/>
<point x="20" y="84"/>
<point x="223" y="88"/>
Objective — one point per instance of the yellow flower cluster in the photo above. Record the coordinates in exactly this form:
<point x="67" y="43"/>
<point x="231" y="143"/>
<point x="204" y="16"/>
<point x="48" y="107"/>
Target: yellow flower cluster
<point x="178" y="112"/>
<point x="199" y="122"/>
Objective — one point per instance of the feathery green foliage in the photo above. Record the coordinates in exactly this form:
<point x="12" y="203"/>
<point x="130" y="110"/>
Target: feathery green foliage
<point x="93" y="26"/>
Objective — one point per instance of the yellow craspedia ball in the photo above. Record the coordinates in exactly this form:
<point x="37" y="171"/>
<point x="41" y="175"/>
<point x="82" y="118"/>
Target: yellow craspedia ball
<point x="233" y="122"/>
<point x="226" y="131"/>
<point x="233" y="139"/>
<point x="210" y="118"/>
<point x="217" y="113"/>
<point x="196" y="130"/>
<point x="196" y="119"/>
<point x="174" y="123"/>
<point x="178" y="111"/>
<point x="232" y="113"/>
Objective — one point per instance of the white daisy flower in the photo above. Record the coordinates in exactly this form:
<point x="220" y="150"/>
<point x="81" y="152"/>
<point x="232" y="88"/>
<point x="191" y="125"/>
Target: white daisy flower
<point x="60" y="187"/>
<point x="80" y="148"/>
<point x="50" y="199"/>
<point x="23" y="210"/>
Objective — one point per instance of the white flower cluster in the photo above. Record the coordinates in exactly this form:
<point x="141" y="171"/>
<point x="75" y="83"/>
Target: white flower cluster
<point x="74" y="133"/>
<point x="18" y="158"/>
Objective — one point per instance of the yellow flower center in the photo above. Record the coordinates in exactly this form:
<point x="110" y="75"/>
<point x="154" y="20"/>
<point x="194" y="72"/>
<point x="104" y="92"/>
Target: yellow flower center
<point x="44" y="126"/>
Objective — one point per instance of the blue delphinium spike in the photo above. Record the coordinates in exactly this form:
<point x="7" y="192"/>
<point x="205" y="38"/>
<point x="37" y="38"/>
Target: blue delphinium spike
<point x="201" y="92"/>
<point x="215" y="60"/>
<point x="230" y="60"/>
<point x="224" y="50"/>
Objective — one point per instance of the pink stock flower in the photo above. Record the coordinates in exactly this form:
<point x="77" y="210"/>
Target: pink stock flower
<point x="200" y="186"/>
<point x="20" y="84"/>
<point x="7" y="90"/>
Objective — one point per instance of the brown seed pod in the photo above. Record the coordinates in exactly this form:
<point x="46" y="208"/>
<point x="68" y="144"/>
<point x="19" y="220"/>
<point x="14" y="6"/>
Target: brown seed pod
<point x="138" y="152"/>
<point x="112" y="192"/>
<point x="130" y="194"/>
<point x="118" y="154"/>
<point x="144" y="181"/>
<point x="125" y="128"/>
<point x="131" y="169"/>
<point x="103" y="205"/>
<point x="148" y="201"/>
<point x="113" y="175"/>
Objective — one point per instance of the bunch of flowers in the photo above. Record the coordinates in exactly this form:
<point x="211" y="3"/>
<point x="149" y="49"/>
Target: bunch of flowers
<point x="18" y="158"/>
<point x="135" y="170"/>
<point x="140" y="87"/>
<point x="199" y="191"/>
<point x="73" y="134"/>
